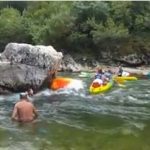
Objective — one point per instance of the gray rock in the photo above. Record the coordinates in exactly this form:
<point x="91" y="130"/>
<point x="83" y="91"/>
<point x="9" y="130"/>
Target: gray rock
<point x="20" y="77"/>
<point x="39" y="55"/>
<point x="23" y="66"/>
<point x="69" y="64"/>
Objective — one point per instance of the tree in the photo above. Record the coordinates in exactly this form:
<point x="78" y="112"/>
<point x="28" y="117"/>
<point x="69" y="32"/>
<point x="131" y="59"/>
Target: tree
<point x="134" y="15"/>
<point x="11" y="28"/>
<point x="48" y="22"/>
<point x="19" y="5"/>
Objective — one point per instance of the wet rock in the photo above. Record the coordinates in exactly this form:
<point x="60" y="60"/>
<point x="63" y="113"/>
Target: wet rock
<point x="132" y="60"/>
<point x="69" y="64"/>
<point x="20" y="77"/>
<point x="23" y="66"/>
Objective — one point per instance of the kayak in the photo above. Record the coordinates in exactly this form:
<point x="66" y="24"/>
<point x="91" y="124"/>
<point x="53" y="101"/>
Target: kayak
<point x="122" y="79"/>
<point x="96" y="88"/>
<point x="60" y="82"/>
<point x="66" y="83"/>
<point x="84" y="75"/>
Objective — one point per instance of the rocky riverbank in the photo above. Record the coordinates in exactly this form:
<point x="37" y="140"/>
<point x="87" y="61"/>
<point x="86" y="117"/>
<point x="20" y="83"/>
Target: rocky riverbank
<point x="90" y="65"/>
<point x="24" y="65"/>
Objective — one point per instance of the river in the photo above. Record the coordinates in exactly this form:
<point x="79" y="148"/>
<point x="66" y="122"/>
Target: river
<point x="76" y="120"/>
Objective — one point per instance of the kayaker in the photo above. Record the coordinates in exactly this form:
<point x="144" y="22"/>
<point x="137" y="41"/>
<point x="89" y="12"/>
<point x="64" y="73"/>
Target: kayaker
<point x="100" y="78"/>
<point x="120" y="71"/>
<point x="98" y="74"/>
<point x="24" y="110"/>
<point x="108" y="74"/>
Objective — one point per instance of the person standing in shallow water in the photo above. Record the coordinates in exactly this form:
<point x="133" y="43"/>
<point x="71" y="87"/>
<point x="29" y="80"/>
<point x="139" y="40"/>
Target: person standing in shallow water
<point x="30" y="92"/>
<point x="24" y="110"/>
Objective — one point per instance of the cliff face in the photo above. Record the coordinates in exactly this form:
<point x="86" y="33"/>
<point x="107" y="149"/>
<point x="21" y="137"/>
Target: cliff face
<point x="24" y="65"/>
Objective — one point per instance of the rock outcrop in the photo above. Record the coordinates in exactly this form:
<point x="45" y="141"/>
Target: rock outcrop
<point x="69" y="64"/>
<point x="39" y="55"/>
<point x="24" y="65"/>
<point x="132" y="60"/>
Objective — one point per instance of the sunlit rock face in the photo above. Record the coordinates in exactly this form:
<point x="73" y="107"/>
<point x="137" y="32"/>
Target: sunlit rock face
<point x="39" y="55"/>
<point x="24" y="65"/>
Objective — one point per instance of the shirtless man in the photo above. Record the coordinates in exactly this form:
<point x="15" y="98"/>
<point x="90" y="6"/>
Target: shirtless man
<point x="24" y="111"/>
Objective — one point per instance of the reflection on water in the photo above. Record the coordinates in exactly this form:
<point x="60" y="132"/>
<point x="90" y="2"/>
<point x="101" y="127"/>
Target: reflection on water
<point x="75" y="120"/>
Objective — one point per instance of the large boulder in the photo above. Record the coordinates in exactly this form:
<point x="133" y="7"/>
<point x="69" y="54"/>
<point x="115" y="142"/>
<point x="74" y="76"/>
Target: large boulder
<point x="20" y="77"/>
<point x="39" y="55"/>
<point x="24" y="65"/>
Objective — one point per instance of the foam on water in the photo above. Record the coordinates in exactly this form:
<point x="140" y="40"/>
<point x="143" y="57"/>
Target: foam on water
<point x="75" y="84"/>
<point x="72" y="88"/>
<point x="46" y="92"/>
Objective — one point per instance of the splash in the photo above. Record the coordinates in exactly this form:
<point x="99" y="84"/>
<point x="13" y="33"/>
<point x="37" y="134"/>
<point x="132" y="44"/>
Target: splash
<point x="75" y="84"/>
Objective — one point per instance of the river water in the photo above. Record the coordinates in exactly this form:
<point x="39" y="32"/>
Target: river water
<point x="75" y="120"/>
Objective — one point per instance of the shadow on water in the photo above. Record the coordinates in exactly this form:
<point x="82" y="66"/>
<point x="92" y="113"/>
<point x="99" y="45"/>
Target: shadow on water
<point x="75" y="120"/>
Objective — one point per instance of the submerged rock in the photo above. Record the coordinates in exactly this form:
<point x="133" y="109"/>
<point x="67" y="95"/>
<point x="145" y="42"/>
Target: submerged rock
<point x="24" y="65"/>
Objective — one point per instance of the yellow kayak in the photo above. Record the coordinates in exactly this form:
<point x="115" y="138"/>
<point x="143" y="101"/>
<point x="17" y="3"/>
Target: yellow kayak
<point x="96" y="89"/>
<point x="122" y="79"/>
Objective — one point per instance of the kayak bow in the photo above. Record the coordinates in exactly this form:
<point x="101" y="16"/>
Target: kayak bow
<point x="96" y="89"/>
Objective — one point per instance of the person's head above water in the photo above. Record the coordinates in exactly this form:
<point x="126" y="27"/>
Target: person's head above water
<point x="99" y="70"/>
<point x="23" y="95"/>
<point x="30" y="92"/>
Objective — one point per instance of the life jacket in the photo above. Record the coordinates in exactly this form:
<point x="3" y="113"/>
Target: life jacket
<point x="98" y="76"/>
<point x="97" y="83"/>
<point x="120" y="72"/>
<point x="108" y="75"/>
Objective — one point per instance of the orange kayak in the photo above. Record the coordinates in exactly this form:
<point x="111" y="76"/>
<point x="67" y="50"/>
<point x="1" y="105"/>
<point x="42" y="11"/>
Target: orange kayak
<point x="60" y="82"/>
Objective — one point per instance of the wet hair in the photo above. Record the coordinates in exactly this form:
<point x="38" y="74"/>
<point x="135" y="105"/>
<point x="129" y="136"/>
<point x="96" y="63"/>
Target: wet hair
<point x="99" y="71"/>
<point x="23" y="95"/>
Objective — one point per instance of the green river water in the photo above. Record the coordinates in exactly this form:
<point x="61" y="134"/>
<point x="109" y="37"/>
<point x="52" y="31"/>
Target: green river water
<point x="75" y="120"/>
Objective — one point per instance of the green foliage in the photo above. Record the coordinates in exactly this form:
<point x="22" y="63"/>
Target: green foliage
<point x="19" y="5"/>
<point x="11" y="28"/>
<point x="85" y="10"/>
<point x="78" y="26"/>
<point x="109" y="30"/>
<point x="48" y="22"/>
<point x="134" y="15"/>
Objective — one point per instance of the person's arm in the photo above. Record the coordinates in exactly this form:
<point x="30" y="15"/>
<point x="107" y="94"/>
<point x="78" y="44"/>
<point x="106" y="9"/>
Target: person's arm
<point x="15" y="113"/>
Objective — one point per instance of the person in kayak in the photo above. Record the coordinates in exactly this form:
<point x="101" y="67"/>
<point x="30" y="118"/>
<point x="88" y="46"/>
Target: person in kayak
<point x="24" y="110"/>
<point x="98" y="74"/>
<point x="100" y="78"/>
<point x="120" y="71"/>
<point x="108" y="73"/>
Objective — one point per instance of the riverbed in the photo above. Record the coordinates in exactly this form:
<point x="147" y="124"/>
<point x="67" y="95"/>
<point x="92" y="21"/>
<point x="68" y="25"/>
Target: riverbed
<point x="75" y="120"/>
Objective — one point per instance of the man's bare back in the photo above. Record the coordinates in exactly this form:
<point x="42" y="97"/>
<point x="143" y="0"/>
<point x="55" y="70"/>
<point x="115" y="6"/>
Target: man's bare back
<point x="24" y="111"/>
